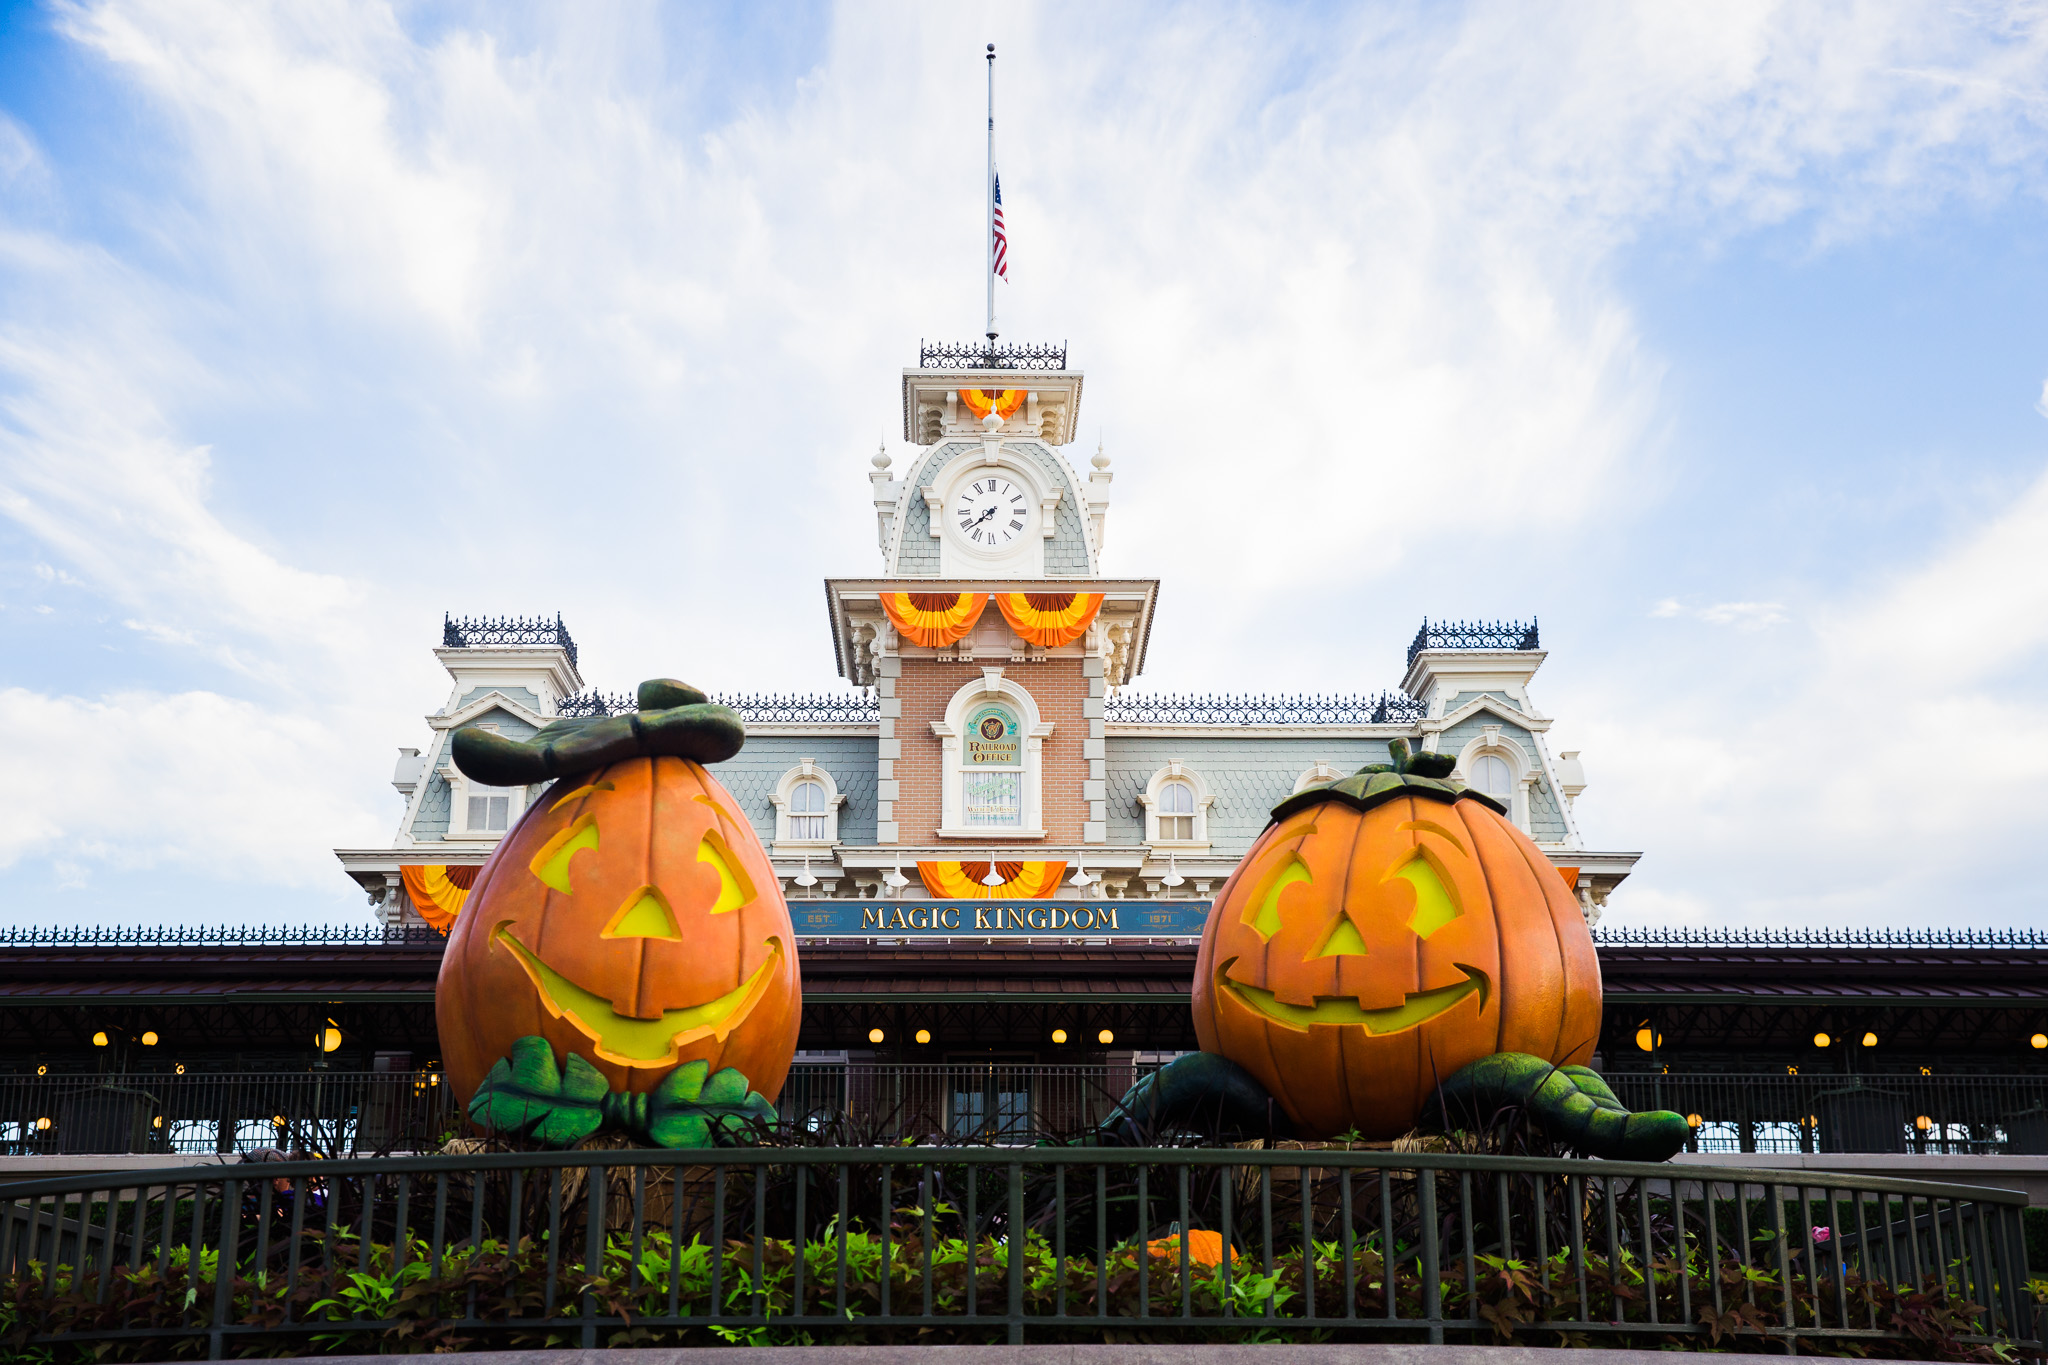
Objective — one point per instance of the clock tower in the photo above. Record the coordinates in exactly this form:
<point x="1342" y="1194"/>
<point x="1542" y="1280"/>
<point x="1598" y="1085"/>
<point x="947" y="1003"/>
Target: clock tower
<point x="991" y="638"/>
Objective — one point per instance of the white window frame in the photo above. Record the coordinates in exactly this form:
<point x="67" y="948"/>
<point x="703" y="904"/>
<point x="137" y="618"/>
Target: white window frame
<point x="1522" y="773"/>
<point x="1177" y="771"/>
<point x="806" y="771"/>
<point x="992" y="687"/>
<point x="460" y="789"/>
<point x="1310" y="777"/>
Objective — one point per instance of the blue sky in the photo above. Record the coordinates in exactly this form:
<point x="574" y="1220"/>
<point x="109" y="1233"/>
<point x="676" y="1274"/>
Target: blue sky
<point x="1712" y="337"/>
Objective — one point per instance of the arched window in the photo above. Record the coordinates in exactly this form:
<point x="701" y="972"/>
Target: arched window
<point x="807" y="810"/>
<point x="992" y="768"/>
<point x="1176" y="810"/>
<point x="807" y="802"/>
<point x="1490" y="774"/>
<point x="1176" y="802"/>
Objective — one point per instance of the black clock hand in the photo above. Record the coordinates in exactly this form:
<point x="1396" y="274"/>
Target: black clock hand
<point x="980" y="519"/>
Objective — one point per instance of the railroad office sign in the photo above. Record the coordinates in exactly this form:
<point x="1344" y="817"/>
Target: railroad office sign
<point x="1049" y="921"/>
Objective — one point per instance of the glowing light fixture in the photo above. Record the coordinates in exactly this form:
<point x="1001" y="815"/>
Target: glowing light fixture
<point x="874" y="1035"/>
<point x="1105" y="1037"/>
<point x="2039" y="1040"/>
<point x="1923" y="1123"/>
<point x="99" y="1040"/>
<point x="1821" y="1040"/>
<point x="1870" y="1040"/>
<point x="149" y="1039"/>
<point x="924" y="1035"/>
<point x="329" y="1039"/>
<point x="1059" y="1035"/>
<point x="1692" y="1120"/>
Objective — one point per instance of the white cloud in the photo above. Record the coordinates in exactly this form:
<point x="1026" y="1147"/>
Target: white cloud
<point x="559" y="337"/>
<point x="1745" y="615"/>
<point x="198" y="781"/>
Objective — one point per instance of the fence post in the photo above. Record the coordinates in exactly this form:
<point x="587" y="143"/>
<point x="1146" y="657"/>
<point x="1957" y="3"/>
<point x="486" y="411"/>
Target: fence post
<point x="226" y="1253"/>
<point x="1016" y="1253"/>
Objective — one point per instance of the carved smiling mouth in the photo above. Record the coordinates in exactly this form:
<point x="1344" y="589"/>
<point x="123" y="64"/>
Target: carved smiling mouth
<point x="1418" y="1008"/>
<point x="639" y="1042"/>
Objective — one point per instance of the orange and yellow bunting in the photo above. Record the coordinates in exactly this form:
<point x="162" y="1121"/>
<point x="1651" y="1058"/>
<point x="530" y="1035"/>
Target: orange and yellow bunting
<point x="963" y="881"/>
<point x="1049" y="619"/>
<point x="437" y="891"/>
<point x="1002" y="402"/>
<point x="933" y="619"/>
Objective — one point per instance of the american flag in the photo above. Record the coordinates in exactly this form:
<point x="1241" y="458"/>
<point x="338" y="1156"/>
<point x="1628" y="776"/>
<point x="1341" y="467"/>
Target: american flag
<point x="1002" y="240"/>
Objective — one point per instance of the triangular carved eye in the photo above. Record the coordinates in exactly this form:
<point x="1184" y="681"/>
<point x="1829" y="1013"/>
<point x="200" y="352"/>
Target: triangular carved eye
<point x="551" y="864"/>
<point x="734" y="890"/>
<point x="1434" y="905"/>
<point x="1263" y="914"/>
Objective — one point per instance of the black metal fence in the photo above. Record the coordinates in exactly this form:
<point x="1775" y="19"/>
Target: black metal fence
<point x="1384" y="708"/>
<point x="833" y="1245"/>
<point x="1475" y="635"/>
<point x="333" y="1113"/>
<point x="987" y="355"/>
<point x="465" y="632"/>
<point x="343" y="1113"/>
<point x="340" y="1113"/>
<point x="1870" y="1113"/>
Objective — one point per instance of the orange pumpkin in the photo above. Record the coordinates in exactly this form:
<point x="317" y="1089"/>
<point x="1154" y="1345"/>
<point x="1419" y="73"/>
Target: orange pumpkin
<point x="1383" y="932"/>
<point x="632" y="917"/>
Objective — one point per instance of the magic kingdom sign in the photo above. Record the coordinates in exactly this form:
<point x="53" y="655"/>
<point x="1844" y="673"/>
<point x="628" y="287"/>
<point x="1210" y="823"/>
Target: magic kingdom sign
<point x="1039" y="920"/>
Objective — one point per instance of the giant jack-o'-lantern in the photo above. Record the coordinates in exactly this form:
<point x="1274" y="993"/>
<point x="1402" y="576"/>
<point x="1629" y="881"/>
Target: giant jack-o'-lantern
<point x="631" y="918"/>
<point x="1382" y="933"/>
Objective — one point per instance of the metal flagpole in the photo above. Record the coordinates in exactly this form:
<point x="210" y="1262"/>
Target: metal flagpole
<point x="988" y="217"/>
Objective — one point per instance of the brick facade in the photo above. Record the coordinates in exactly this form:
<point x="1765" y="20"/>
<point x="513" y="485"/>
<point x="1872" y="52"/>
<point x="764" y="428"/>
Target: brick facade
<point x="926" y="686"/>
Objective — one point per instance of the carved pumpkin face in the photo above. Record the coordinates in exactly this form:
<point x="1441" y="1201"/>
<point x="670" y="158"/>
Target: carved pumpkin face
<point x="632" y="916"/>
<point x="1358" y="957"/>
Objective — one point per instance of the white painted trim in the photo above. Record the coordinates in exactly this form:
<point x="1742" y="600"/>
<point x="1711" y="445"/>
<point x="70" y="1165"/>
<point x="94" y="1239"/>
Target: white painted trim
<point x="805" y="771"/>
<point x="992" y="686"/>
<point x="1177" y="771"/>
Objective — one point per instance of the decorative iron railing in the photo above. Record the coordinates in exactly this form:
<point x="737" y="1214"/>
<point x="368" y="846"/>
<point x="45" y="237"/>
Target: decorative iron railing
<point x="360" y="1113"/>
<point x="981" y="1244"/>
<point x="1659" y="937"/>
<point x="982" y="355"/>
<point x="1474" y="635"/>
<point x="824" y="708"/>
<point x="475" y="632"/>
<point x="594" y="703"/>
<point x="216" y="936"/>
<point x="1385" y="708"/>
<point x="1874" y="1112"/>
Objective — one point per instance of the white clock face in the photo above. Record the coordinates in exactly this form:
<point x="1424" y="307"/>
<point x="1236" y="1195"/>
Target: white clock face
<point x="991" y="513"/>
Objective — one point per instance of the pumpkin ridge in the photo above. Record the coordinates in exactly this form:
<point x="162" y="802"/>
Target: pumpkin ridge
<point x="1546" y="868"/>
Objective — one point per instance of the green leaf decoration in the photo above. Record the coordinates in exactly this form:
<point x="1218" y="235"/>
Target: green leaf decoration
<point x="694" y="1108"/>
<point x="1569" y="1103"/>
<point x="526" y="1095"/>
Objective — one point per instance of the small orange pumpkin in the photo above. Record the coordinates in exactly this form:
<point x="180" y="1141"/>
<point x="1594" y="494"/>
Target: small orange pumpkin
<point x="1383" y="932"/>
<point x="631" y="916"/>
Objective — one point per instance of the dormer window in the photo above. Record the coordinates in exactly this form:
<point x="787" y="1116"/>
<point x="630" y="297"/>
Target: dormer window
<point x="1176" y="810"/>
<point x="807" y="811"/>
<point x="490" y="810"/>
<point x="1490" y="775"/>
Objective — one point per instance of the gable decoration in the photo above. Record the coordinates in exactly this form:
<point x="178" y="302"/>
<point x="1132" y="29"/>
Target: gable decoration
<point x="1049" y="619"/>
<point x="933" y="619"/>
<point x="437" y="891"/>
<point x="963" y="881"/>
